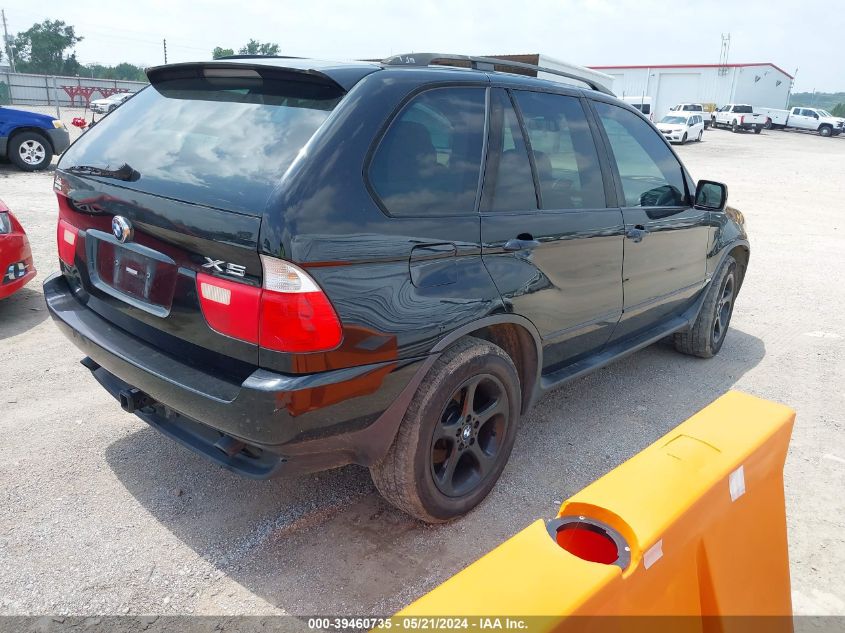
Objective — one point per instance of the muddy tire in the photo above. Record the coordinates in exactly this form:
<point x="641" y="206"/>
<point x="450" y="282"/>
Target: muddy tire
<point x="456" y="436"/>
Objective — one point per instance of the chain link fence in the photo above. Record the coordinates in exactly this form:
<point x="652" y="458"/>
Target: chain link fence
<point x="60" y="97"/>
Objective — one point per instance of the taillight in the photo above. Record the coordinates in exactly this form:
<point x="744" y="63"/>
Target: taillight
<point x="742" y="120"/>
<point x="296" y="315"/>
<point x="230" y="307"/>
<point x="66" y="236"/>
<point x="289" y="314"/>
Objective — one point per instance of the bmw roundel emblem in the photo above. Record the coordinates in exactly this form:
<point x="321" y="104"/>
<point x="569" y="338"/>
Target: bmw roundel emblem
<point x="121" y="228"/>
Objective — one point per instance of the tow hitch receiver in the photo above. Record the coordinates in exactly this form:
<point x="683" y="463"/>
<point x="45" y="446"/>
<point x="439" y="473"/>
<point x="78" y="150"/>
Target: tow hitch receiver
<point x="134" y="399"/>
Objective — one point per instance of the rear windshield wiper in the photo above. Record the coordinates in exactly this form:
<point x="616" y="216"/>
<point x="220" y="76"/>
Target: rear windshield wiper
<point x="124" y="172"/>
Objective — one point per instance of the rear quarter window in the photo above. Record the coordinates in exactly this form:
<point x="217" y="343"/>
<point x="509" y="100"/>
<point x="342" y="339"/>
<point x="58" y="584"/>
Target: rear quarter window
<point x="428" y="162"/>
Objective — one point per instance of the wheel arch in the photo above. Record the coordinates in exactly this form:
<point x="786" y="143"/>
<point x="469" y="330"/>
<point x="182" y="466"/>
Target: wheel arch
<point x="518" y="337"/>
<point x="30" y="128"/>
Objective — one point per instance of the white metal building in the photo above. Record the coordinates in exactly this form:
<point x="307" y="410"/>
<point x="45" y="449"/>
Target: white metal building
<point x="763" y="84"/>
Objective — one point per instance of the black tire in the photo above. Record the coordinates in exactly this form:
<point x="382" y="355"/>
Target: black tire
<point x="700" y="134"/>
<point x="30" y="151"/>
<point x="734" y="127"/>
<point x="684" y="139"/>
<point x="704" y="339"/>
<point x="768" y="124"/>
<point x="758" y="129"/>
<point x="433" y="474"/>
<point x="825" y="130"/>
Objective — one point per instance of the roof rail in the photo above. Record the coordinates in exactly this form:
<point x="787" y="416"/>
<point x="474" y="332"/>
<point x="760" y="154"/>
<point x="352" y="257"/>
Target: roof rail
<point x="488" y="64"/>
<point x="247" y="56"/>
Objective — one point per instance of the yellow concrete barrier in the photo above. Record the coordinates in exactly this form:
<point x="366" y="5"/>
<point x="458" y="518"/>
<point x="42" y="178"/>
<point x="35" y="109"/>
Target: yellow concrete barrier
<point x="694" y="525"/>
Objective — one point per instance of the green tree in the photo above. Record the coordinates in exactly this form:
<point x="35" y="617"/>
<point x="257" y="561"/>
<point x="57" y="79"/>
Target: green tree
<point x="129" y="72"/>
<point x="125" y="70"/>
<point x="41" y="48"/>
<point x="839" y="110"/>
<point x="218" y="52"/>
<point x="254" y="47"/>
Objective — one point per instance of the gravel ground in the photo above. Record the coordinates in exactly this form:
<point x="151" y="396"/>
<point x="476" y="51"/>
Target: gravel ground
<point x="101" y="515"/>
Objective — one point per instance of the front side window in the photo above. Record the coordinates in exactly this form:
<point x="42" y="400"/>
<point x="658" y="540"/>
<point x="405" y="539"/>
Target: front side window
<point x="564" y="153"/>
<point x="651" y="175"/>
<point x="428" y="162"/>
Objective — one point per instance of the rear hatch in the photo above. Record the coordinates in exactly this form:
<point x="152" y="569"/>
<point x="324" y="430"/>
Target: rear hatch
<point x="172" y="186"/>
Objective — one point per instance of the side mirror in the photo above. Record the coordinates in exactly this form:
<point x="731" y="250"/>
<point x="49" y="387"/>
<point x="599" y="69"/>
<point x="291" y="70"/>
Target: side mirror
<point x="710" y="195"/>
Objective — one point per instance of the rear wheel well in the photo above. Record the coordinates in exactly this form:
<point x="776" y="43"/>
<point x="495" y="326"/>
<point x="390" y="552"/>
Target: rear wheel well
<point x="517" y="343"/>
<point x="740" y="254"/>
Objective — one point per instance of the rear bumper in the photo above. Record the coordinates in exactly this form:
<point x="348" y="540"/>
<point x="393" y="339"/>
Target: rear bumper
<point x="288" y="423"/>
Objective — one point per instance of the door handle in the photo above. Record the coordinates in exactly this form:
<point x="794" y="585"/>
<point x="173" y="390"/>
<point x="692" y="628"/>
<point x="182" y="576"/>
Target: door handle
<point x="520" y="244"/>
<point x="637" y="233"/>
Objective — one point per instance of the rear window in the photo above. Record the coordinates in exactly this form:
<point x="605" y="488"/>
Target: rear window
<point x="218" y="141"/>
<point x="743" y="109"/>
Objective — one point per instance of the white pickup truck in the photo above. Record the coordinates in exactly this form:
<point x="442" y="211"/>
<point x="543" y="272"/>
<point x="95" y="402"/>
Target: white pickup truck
<point x="812" y="119"/>
<point x="738" y="117"/>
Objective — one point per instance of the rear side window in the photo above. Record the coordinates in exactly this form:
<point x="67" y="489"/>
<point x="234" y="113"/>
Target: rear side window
<point x="218" y="141"/>
<point x="646" y="108"/>
<point x="514" y="182"/>
<point x="429" y="161"/>
<point x="564" y="153"/>
<point x="651" y="175"/>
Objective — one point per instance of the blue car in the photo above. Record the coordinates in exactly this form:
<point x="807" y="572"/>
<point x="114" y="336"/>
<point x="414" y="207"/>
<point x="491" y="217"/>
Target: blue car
<point x="29" y="139"/>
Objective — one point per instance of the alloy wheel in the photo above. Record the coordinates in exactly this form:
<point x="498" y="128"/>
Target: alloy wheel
<point x="32" y="152"/>
<point x="724" y="307"/>
<point x="467" y="442"/>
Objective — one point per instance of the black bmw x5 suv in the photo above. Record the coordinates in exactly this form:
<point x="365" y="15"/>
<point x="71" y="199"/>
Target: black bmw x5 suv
<point x="290" y="265"/>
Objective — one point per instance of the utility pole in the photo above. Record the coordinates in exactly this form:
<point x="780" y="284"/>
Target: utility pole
<point x="164" y="42"/>
<point x="6" y="40"/>
<point x="791" y="87"/>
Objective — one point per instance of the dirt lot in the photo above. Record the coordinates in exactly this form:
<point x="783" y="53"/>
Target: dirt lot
<point x="101" y="515"/>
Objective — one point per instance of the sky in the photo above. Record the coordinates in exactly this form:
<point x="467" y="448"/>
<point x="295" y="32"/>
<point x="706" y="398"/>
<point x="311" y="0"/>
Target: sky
<point x="809" y="35"/>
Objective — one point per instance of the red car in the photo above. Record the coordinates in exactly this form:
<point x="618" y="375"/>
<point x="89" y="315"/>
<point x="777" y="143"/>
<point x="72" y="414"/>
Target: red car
<point x="16" y="265"/>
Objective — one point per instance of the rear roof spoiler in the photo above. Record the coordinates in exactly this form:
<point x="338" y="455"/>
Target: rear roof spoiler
<point x="341" y="76"/>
